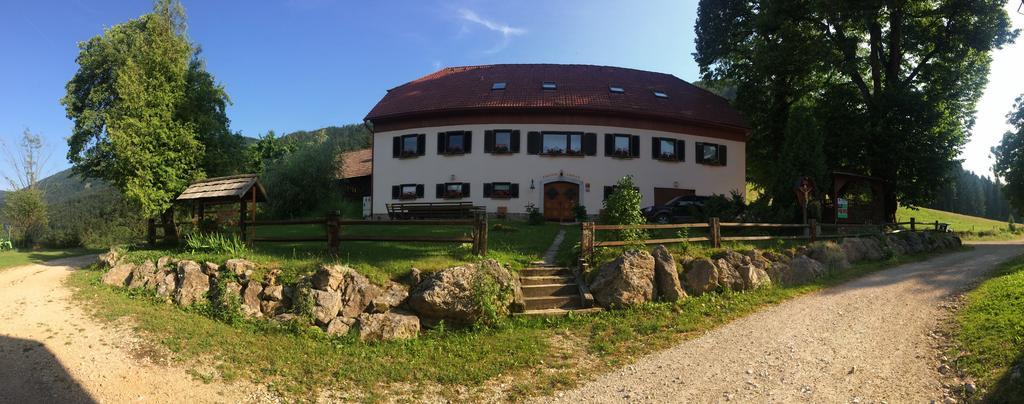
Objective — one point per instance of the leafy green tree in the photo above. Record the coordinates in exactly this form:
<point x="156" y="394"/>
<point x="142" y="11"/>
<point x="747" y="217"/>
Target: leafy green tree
<point x="894" y="84"/>
<point x="266" y="150"/>
<point x="1009" y="157"/>
<point x="25" y="211"/>
<point x="304" y="180"/>
<point x="147" y="117"/>
<point x="623" y="207"/>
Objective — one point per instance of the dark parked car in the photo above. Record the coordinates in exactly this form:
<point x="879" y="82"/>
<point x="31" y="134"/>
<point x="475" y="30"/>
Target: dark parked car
<point x="681" y="209"/>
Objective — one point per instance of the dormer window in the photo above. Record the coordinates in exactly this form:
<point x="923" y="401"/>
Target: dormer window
<point x="616" y="89"/>
<point x="660" y="94"/>
<point x="549" y="85"/>
<point x="498" y="86"/>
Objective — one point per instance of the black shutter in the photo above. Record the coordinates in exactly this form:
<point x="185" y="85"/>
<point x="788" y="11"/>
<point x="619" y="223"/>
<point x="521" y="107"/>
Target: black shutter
<point x="440" y="191"/>
<point x="514" y="190"/>
<point x="656" y="148"/>
<point x="721" y="155"/>
<point x="421" y="144"/>
<point x="419" y="190"/>
<point x="465" y="189"/>
<point x="634" y="146"/>
<point x="396" y="147"/>
<point x="514" y="146"/>
<point x="467" y="142"/>
<point x="680" y="150"/>
<point x="488" y="141"/>
<point x="440" y="142"/>
<point x="609" y="144"/>
<point x="697" y="155"/>
<point x="487" y="189"/>
<point x="533" y="143"/>
<point x="590" y="144"/>
<point x="396" y="191"/>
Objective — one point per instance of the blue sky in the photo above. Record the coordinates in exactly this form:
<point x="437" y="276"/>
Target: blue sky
<point x="304" y="64"/>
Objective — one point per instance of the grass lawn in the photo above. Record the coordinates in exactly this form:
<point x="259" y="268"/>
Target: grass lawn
<point x="527" y="356"/>
<point x="10" y="259"/>
<point x="970" y="227"/>
<point x="989" y="334"/>
<point x="511" y="242"/>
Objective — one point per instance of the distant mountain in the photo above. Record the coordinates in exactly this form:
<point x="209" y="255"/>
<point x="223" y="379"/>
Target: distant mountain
<point x="64" y="186"/>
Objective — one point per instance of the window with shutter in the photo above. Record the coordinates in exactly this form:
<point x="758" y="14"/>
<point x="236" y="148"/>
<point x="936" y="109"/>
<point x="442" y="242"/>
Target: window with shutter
<point x="453" y="190"/>
<point x="502" y="141"/>
<point x="501" y="190"/>
<point x="407" y="146"/>
<point x="562" y="144"/>
<point x="407" y="191"/>
<point x="622" y="145"/>
<point x="453" y="143"/>
<point x="666" y="149"/>
<point x="710" y="154"/>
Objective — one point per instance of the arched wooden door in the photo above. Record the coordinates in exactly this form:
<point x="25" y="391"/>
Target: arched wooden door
<point x="559" y="200"/>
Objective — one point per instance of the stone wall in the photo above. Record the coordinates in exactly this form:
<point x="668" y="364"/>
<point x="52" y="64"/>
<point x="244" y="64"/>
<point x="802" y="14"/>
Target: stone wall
<point x="637" y="276"/>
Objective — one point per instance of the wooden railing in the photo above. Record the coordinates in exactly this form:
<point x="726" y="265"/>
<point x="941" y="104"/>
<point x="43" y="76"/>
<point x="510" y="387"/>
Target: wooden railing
<point x="333" y="237"/>
<point x="812" y="231"/>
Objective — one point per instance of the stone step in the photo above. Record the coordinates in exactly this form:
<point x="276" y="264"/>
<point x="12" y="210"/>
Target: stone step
<point x="551" y="289"/>
<point x="545" y="280"/>
<point x="554" y="302"/>
<point x="559" y="312"/>
<point x="546" y="271"/>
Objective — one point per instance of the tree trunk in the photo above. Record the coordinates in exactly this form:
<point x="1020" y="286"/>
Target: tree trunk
<point x="170" y="230"/>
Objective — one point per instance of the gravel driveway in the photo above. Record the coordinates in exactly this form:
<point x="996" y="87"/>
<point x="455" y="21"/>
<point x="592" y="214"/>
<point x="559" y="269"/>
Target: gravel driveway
<point x="52" y="351"/>
<point x="868" y="340"/>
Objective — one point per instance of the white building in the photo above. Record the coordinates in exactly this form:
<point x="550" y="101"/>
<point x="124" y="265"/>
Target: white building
<point x="505" y="136"/>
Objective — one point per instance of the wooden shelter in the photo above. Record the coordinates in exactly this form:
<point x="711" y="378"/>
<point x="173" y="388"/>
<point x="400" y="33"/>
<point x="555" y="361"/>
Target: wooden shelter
<point x="242" y="189"/>
<point x="859" y="199"/>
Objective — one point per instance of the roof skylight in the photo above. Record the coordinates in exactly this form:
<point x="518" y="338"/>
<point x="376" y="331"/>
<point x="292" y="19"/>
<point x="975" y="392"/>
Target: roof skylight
<point x="549" y="85"/>
<point x="660" y="94"/>
<point x="616" y="89"/>
<point x="498" y="86"/>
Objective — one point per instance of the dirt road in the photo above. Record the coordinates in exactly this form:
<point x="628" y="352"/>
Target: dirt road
<point x="52" y="351"/>
<point x="869" y="340"/>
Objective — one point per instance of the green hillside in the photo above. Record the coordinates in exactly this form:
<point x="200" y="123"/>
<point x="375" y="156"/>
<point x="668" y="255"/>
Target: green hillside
<point x="958" y="222"/>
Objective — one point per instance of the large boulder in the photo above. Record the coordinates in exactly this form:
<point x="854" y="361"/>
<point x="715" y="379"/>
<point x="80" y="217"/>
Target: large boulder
<point x="356" y="293"/>
<point x="391" y="297"/>
<point x="897" y="244"/>
<point x="111" y="258"/>
<point x="388" y="326"/>
<point x="753" y="276"/>
<point x="326" y="305"/>
<point x="828" y="254"/>
<point x="854" y="249"/>
<point x="873" y="250"/>
<point x="167" y="282"/>
<point x="330" y="277"/>
<point x="143" y="276"/>
<point x="448" y="294"/>
<point x="799" y="270"/>
<point x="701" y="277"/>
<point x="193" y="285"/>
<point x="273" y="293"/>
<point x="729" y="263"/>
<point x="666" y="276"/>
<point x="340" y="326"/>
<point x="626" y="281"/>
<point x="118" y="275"/>
<point x="251" y="298"/>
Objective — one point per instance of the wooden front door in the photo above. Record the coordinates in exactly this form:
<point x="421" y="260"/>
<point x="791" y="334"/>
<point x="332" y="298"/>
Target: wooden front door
<point x="559" y="200"/>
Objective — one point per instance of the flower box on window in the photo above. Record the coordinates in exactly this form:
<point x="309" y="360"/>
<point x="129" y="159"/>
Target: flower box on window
<point x="621" y="153"/>
<point x="452" y="194"/>
<point x="408" y="195"/>
<point x="554" y="151"/>
<point x="500" y="148"/>
<point x="668" y="156"/>
<point x="407" y="154"/>
<point x="501" y="194"/>
<point x="454" y="150"/>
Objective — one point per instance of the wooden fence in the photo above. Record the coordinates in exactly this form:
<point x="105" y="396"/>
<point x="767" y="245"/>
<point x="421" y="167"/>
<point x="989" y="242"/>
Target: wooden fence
<point x="333" y="237"/>
<point x="812" y="231"/>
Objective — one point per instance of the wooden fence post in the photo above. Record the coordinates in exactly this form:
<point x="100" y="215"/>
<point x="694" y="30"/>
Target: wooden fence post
<point x="480" y="233"/>
<point x="813" y="223"/>
<point x="333" y="229"/>
<point x="586" y="241"/>
<point x="715" y="232"/>
<point x="241" y="222"/>
<point x="913" y="224"/>
<point x="936" y="225"/>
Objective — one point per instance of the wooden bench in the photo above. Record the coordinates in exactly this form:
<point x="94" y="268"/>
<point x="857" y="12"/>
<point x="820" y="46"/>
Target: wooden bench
<point x="432" y="210"/>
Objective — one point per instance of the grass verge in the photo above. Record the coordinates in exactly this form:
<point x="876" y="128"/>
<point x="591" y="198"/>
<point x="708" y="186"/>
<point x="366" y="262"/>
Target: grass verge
<point x="10" y="259"/>
<point x="520" y="357"/>
<point x="988" y="339"/>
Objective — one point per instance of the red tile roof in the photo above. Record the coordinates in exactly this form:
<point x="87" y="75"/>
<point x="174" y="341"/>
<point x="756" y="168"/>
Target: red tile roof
<point x="356" y="163"/>
<point x="581" y="88"/>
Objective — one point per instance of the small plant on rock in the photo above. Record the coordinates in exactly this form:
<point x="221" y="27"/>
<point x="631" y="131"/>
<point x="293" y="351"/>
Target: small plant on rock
<point x="489" y="296"/>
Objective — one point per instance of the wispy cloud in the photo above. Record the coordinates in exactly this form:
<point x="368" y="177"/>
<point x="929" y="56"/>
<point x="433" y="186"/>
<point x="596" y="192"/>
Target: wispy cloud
<point x="507" y="31"/>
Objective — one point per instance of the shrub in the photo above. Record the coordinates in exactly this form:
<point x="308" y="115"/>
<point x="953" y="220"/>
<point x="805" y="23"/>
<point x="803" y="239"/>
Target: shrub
<point x="25" y="210"/>
<point x="623" y="207"/>
<point x="303" y="180"/>
<point x="1011" y="226"/>
<point x="216" y="243"/>
<point x="489" y="297"/>
<point x="726" y="209"/>
<point x="534" y="216"/>
<point x="580" y="212"/>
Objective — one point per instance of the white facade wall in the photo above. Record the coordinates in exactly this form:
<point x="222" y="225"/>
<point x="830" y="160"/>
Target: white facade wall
<point x="596" y="171"/>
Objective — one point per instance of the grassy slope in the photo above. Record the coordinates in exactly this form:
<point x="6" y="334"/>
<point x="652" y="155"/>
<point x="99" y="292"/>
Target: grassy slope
<point x="990" y="333"/>
<point x="533" y="356"/>
<point x="957" y="221"/>
<point x="10" y="259"/>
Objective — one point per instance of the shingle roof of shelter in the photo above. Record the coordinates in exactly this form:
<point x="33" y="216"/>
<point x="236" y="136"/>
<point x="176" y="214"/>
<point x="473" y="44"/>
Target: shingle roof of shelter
<point x="224" y="188"/>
